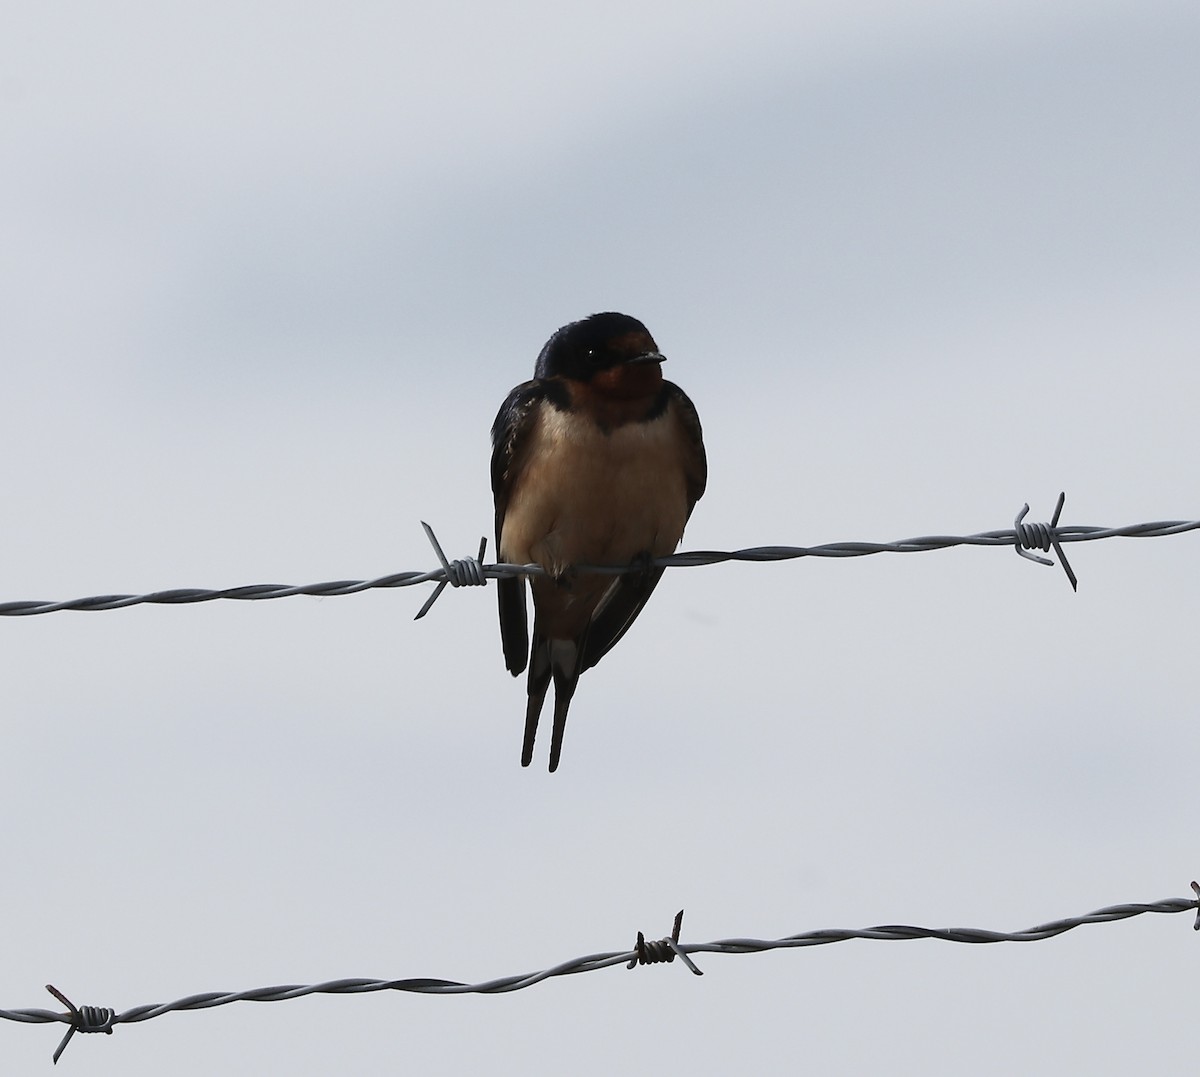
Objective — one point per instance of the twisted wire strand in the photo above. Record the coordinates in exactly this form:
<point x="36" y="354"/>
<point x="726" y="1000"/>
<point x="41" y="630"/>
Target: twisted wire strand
<point x="471" y="572"/>
<point x="98" y="1019"/>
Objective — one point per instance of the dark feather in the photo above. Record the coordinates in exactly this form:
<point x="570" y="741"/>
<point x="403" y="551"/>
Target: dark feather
<point x="514" y="624"/>
<point x="539" y="681"/>
<point x="697" y="466"/>
<point x="617" y="612"/>
<point x="510" y="431"/>
<point x="558" y="659"/>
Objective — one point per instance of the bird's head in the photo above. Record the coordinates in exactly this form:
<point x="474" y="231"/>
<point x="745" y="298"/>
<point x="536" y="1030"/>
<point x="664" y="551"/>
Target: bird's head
<point x="612" y="352"/>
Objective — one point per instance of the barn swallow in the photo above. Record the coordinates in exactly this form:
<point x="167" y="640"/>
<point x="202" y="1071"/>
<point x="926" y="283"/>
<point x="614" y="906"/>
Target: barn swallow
<point x="596" y="461"/>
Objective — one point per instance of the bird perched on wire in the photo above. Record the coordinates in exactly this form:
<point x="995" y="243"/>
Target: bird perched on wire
<point x="596" y="461"/>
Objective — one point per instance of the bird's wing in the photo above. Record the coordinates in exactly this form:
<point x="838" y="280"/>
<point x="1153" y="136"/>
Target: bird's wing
<point x="696" y="462"/>
<point x="510" y="439"/>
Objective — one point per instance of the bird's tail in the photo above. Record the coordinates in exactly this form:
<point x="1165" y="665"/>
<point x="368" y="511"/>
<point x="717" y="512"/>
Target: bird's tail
<point x="557" y="659"/>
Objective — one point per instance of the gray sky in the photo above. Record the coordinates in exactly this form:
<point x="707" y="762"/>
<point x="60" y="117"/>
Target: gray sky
<point x="269" y="271"/>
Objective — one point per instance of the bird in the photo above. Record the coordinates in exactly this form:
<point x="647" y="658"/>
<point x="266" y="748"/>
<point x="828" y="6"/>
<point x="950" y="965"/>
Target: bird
<point x="595" y="461"/>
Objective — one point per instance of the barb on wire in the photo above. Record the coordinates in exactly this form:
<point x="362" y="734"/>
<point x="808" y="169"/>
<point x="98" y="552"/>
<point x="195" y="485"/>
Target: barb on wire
<point x="660" y="950"/>
<point x="465" y="573"/>
<point x="95" y="1019"/>
<point x="1043" y="537"/>
<point x="83" y="1019"/>
<point x="471" y="571"/>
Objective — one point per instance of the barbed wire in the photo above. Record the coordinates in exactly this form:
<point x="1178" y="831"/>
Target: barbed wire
<point x="471" y="571"/>
<point x="103" y="1019"/>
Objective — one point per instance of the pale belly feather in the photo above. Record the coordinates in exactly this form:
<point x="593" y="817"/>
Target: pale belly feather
<point x="586" y="497"/>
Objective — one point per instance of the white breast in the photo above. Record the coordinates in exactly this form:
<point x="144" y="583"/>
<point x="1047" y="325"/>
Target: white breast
<point x="587" y="497"/>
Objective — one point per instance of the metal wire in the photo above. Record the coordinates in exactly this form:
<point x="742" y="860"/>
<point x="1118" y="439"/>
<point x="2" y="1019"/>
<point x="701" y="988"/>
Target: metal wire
<point x="470" y="572"/>
<point x="98" y="1019"/>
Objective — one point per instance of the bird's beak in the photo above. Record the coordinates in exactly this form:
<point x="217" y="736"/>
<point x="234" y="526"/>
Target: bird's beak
<point x="648" y="357"/>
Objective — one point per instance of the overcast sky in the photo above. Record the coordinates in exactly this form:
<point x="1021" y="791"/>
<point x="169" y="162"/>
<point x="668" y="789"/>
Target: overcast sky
<point x="268" y="271"/>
